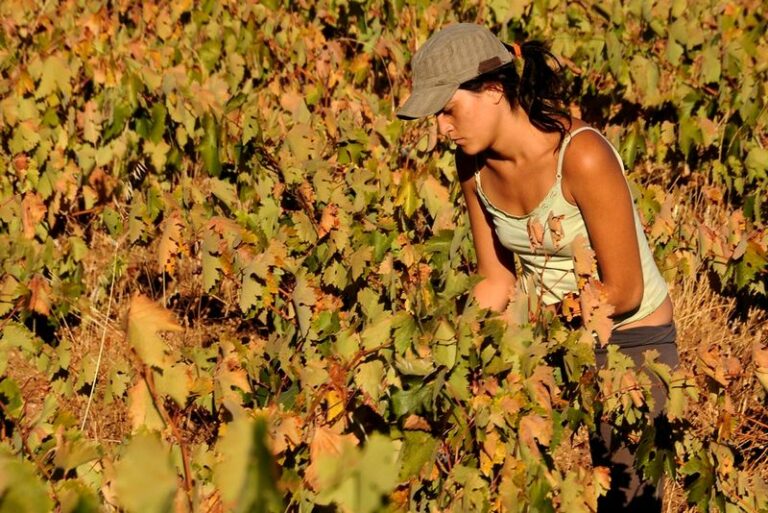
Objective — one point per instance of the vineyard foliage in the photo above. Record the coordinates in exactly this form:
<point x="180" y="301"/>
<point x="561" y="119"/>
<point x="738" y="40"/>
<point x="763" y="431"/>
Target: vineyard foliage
<point x="214" y="232"/>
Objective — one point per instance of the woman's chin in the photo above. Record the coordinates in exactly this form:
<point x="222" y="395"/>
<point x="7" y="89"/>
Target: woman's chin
<point x="468" y="149"/>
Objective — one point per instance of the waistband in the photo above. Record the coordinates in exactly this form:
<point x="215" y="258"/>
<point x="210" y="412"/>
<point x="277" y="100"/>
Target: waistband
<point x="642" y="336"/>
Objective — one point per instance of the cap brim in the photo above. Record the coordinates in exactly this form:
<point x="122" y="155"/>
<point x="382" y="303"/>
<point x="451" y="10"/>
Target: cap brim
<point x="426" y="102"/>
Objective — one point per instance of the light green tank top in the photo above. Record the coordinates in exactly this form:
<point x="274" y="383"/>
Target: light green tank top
<point x="550" y="265"/>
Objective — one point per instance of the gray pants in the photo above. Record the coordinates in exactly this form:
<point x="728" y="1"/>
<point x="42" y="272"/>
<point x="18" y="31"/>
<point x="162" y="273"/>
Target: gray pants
<point x="629" y="492"/>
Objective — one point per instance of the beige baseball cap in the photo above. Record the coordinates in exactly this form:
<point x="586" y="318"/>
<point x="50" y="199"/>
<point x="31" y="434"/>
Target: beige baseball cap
<point x="450" y="57"/>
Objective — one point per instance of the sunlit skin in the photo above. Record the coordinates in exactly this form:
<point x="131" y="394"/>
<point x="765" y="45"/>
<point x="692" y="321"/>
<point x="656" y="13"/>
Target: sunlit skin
<point x="517" y="163"/>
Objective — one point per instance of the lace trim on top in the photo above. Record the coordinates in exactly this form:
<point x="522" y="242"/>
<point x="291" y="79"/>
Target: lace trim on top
<point x="545" y="203"/>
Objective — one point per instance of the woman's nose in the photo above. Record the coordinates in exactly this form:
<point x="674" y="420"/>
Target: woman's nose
<point x="442" y="124"/>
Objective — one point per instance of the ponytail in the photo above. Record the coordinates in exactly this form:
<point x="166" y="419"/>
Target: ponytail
<point x="532" y="80"/>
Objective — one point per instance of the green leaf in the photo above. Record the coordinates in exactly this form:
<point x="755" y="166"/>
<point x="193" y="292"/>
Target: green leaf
<point x="410" y="401"/>
<point x="572" y="495"/>
<point x="57" y="74"/>
<point x="225" y="191"/>
<point x="21" y="490"/>
<point x="209" y="145"/>
<point x="369" y="376"/>
<point x="645" y="76"/>
<point x="407" y="196"/>
<point x="76" y="497"/>
<point x="157" y="123"/>
<point x="145" y="480"/>
<point x="174" y="381"/>
<point x="245" y="472"/>
<point x="359" y="479"/>
<point x="757" y="162"/>
<point x="405" y="331"/>
<point x="17" y="335"/>
<point x="73" y="451"/>
<point x="377" y="333"/>
<point x="752" y="263"/>
<point x="10" y="395"/>
<point x="710" y="66"/>
<point x="418" y="449"/>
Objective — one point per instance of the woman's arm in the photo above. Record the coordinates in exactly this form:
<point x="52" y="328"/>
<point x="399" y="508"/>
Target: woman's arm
<point x="593" y="178"/>
<point x="494" y="262"/>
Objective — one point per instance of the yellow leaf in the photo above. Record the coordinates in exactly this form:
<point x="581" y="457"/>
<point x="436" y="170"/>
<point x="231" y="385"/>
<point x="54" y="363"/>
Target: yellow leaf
<point x="335" y="405"/>
<point x="145" y="320"/>
<point x="141" y="410"/>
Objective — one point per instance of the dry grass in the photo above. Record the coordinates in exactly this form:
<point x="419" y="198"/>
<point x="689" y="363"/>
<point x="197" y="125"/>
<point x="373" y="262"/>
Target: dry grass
<point x="703" y="320"/>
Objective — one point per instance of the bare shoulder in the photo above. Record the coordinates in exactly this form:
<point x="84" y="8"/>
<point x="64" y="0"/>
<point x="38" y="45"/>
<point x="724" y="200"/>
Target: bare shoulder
<point x="589" y="156"/>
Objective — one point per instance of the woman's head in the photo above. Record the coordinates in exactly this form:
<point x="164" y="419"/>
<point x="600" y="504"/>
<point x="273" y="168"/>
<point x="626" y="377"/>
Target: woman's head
<point x="468" y="57"/>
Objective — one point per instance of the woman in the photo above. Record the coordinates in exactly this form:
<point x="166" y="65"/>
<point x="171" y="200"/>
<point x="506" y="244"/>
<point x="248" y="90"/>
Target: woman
<point x="523" y="161"/>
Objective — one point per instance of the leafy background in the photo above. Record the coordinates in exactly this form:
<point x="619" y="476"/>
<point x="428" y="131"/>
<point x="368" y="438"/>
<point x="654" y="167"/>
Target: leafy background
<point x="233" y="281"/>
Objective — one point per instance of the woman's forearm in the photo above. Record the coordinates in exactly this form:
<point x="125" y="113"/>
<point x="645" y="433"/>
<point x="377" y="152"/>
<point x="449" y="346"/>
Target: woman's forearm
<point x="493" y="294"/>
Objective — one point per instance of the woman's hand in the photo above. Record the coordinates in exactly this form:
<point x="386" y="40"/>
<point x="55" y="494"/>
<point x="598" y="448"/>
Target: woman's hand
<point x="494" y="262"/>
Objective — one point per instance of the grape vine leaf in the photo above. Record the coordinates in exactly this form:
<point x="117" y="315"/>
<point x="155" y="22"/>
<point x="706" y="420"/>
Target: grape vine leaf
<point x="145" y="320"/>
<point x="145" y="480"/>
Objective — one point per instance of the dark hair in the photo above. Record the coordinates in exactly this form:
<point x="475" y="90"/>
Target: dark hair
<point x="540" y="91"/>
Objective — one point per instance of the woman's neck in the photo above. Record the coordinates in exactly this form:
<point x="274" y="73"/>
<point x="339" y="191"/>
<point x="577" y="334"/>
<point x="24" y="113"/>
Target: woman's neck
<point x="518" y="141"/>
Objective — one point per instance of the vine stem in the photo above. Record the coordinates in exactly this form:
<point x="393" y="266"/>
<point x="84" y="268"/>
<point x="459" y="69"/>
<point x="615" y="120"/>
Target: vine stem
<point x="149" y="379"/>
<point x="101" y="343"/>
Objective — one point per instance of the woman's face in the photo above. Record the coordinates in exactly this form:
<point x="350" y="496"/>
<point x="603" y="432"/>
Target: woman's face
<point x="470" y="119"/>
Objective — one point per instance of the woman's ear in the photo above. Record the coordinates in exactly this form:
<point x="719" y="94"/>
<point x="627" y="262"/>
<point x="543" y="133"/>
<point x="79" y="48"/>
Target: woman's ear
<point x="496" y="90"/>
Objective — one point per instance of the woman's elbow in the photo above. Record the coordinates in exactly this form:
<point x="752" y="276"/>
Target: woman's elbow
<point x="628" y="298"/>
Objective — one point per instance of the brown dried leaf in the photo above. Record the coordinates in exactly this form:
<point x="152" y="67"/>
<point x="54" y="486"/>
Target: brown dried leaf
<point x="630" y="386"/>
<point x="325" y="443"/>
<point x="532" y="428"/>
<point x="40" y="295"/>
<point x="570" y="306"/>
<point x="583" y="256"/>
<point x="287" y="434"/>
<point x="712" y="362"/>
<point x="554" y="223"/>
<point x="596" y="311"/>
<point x="32" y="212"/>
<point x="535" y="233"/>
<point x="104" y="184"/>
<point x="414" y="422"/>
<point x="602" y="478"/>
<point x="171" y="243"/>
<point x="328" y="221"/>
<point x="21" y="162"/>
<point x="542" y="387"/>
